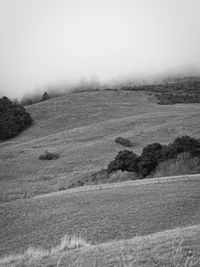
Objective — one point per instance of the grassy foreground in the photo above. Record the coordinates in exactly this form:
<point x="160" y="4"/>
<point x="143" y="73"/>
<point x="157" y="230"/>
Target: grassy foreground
<point x="99" y="215"/>
<point x="171" y="248"/>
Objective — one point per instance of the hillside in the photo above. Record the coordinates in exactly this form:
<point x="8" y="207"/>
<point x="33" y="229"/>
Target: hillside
<point x="82" y="127"/>
<point x="113" y="213"/>
<point x="167" y="248"/>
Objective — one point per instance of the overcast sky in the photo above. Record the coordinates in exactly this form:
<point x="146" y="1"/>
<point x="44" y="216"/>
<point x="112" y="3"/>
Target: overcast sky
<point x="53" y="41"/>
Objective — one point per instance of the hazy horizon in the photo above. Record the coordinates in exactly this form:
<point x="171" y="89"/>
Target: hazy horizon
<point x="46" y="42"/>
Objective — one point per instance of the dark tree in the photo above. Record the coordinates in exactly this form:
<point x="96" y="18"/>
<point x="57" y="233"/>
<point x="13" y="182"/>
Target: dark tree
<point x="152" y="155"/>
<point x="13" y="118"/>
<point x="45" y="96"/>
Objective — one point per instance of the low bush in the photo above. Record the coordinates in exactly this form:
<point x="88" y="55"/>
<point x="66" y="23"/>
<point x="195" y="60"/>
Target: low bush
<point x="152" y="155"/>
<point x="13" y="118"/>
<point x="49" y="156"/>
<point x="123" y="141"/>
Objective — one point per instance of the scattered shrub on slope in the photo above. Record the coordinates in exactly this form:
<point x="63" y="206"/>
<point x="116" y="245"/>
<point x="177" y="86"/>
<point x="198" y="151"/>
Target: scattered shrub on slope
<point x="13" y="118"/>
<point x="123" y="141"/>
<point x="48" y="156"/>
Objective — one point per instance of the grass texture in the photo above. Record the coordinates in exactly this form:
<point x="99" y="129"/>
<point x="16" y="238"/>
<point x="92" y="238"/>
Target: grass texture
<point x="171" y="248"/>
<point x="99" y="215"/>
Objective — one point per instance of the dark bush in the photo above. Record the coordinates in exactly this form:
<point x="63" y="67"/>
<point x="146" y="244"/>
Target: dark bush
<point x="125" y="161"/>
<point x="49" y="156"/>
<point x="13" y="118"/>
<point x="123" y="141"/>
<point x="152" y="155"/>
<point x="145" y="166"/>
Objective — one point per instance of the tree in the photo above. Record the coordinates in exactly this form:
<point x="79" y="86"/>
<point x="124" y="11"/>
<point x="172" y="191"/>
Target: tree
<point x="13" y="118"/>
<point x="45" y="96"/>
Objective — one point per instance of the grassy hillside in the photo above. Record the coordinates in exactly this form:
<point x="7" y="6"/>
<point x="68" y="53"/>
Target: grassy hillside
<point x="83" y="127"/>
<point x="99" y="216"/>
<point x="177" y="247"/>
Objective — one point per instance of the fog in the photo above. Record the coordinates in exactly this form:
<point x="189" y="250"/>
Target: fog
<point x="44" y="42"/>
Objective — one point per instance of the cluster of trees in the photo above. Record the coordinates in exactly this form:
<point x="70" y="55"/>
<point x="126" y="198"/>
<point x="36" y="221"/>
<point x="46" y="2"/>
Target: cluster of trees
<point x="170" y="99"/>
<point x="180" y="91"/>
<point x="13" y="118"/>
<point x="36" y="98"/>
<point x="152" y="155"/>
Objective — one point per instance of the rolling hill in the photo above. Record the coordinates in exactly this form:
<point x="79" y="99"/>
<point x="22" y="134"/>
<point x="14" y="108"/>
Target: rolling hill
<point x="112" y="213"/>
<point x="82" y="127"/>
<point x="167" y="248"/>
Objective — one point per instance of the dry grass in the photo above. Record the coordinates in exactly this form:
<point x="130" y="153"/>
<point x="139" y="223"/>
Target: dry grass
<point x="120" y="176"/>
<point x="112" y="213"/>
<point x="34" y="255"/>
<point x="172" y="248"/>
<point x="69" y="243"/>
<point x="182" y="165"/>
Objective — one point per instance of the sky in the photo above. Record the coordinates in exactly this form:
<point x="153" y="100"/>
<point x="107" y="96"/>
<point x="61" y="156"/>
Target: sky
<point x="44" y="42"/>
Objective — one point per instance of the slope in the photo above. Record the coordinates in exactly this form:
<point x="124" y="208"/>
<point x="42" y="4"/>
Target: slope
<point x="82" y="127"/>
<point x="113" y="213"/>
<point x="177" y="247"/>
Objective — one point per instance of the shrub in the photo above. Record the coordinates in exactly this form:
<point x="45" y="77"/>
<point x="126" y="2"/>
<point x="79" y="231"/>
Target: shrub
<point x="48" y="156"/>
<point x="125" y="160"/>
<point x="145" y="166"/>
<point x="152" y="155"/>
<point x="123" y="141"/>
<point x="184" y="163"/>
<point x="13" y="118"/>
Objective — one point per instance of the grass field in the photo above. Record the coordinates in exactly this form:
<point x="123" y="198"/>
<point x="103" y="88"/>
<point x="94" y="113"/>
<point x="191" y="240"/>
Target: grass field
<point x="83" y="127"/>
<point x="178" y="247"/>
<point x="99" y="216"/>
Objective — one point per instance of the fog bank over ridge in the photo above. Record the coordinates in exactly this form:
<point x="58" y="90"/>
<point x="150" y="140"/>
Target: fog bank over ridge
<point x="52" y="43"/>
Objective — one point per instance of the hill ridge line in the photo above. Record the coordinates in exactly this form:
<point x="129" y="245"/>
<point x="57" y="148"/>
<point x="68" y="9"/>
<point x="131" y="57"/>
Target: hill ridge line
<point x="168" y="179"/>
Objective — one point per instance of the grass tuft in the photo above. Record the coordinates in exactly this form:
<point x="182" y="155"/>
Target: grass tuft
<point x="36" y="254"/>
<point x="69" y="243"/>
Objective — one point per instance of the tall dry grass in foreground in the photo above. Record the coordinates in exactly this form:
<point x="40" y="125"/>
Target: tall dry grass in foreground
<point x="34" y="255"/>
<point x="182" y="165"/>
<point x="175" y="254"/>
